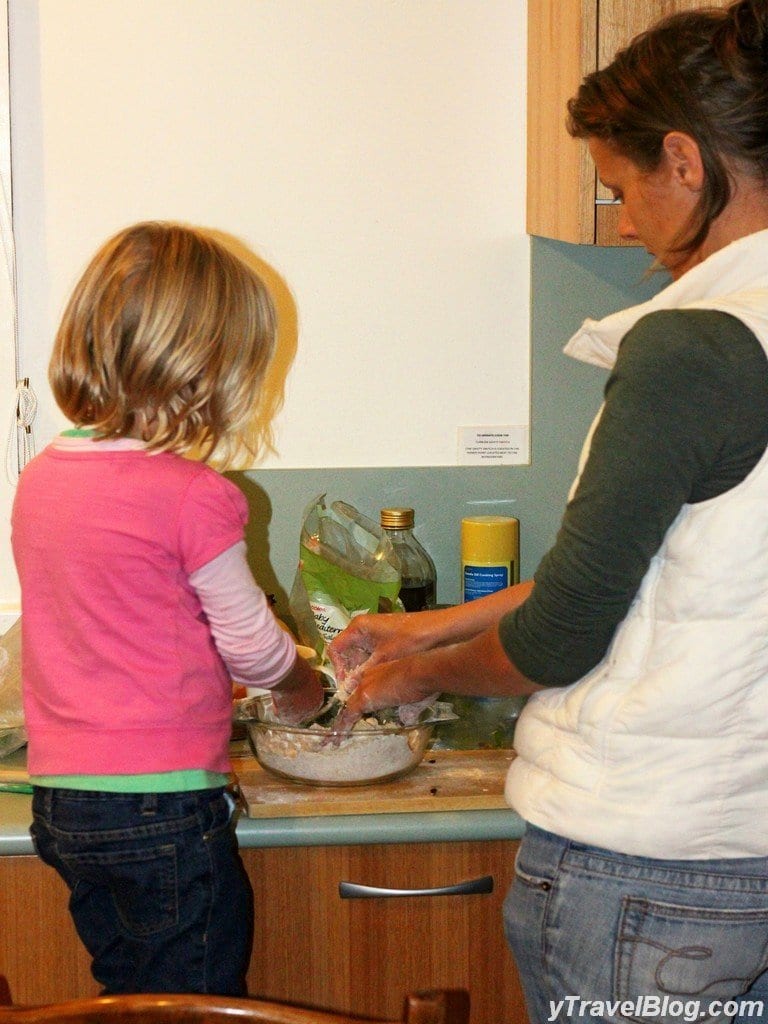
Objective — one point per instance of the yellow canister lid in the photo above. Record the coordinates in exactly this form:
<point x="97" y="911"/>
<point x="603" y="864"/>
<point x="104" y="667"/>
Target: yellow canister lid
<point x="489" y="539"/>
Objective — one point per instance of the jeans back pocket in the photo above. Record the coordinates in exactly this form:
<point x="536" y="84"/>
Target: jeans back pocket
<point x="142" y="883"/>
<point x="678" y="960"/>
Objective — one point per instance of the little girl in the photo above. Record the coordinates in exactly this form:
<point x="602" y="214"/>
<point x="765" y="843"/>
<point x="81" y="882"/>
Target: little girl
<point x="138" y="609"/>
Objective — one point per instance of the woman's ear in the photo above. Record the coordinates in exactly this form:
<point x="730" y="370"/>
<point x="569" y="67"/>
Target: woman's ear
<point x="684" y="160"/>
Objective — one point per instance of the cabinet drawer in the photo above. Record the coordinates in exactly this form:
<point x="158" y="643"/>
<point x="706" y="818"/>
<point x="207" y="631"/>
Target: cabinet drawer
<point x="368" y="948"/>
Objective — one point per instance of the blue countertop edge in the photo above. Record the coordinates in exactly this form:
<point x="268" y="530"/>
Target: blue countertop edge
<point x="325" y="830"/>
<point x="367" y="829"/>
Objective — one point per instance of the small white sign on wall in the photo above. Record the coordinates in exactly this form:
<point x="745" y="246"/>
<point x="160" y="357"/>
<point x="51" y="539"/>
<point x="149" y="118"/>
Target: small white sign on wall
<point x="493" y="446"/>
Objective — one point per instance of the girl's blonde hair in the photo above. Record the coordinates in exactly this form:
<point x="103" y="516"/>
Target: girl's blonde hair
<point x="167" y="337"/>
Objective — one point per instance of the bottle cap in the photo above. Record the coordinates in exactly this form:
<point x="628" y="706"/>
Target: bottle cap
<point x="396" y="518"/>
<point x="489" y="538"/>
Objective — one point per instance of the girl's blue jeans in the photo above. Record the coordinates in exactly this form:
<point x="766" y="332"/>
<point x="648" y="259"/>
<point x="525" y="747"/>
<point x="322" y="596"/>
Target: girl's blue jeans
<point x="600" y="936"/>
<point x="158" y="893"/>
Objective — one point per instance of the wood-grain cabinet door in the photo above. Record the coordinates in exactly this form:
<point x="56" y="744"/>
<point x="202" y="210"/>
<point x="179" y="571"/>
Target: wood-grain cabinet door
<point x="567" y="39"/>
<point x="364" y="954"/>
<point x="40" y="954"/>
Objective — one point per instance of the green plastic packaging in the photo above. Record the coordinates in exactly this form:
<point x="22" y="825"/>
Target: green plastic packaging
<point x="347" y="567"/>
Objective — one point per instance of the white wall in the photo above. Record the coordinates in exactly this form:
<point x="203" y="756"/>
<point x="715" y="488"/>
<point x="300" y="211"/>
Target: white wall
<point x="8" y="435"/>
<point x="371" y="152"/>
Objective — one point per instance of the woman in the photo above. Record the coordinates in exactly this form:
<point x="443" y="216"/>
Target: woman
<point x="641" y="889"/>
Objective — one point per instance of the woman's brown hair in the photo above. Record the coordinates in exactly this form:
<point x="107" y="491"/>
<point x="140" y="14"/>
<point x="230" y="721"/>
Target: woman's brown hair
<point x="167" y="337"/>
<point x="703" y="72"/>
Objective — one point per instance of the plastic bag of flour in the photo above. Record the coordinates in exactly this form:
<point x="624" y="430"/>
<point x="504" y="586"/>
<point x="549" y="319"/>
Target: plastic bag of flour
<point x="347" y="567"/>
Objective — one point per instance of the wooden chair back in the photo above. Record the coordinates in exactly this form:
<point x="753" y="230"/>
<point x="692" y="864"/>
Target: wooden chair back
<point x="441" y="1006"/>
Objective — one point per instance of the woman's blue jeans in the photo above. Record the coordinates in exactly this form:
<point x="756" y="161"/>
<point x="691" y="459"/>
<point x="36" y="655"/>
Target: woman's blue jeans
<point x="158" y="892"/>
<point x="600" y="936"/>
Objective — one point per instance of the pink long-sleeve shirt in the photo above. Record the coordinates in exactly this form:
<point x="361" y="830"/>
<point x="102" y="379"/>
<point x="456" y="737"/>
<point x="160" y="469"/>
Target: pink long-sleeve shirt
<point x="138" y="609"/>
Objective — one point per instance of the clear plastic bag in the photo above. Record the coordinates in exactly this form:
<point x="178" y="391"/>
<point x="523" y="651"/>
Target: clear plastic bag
<point x="12" y="732"/>
<point x="347" y="566"/>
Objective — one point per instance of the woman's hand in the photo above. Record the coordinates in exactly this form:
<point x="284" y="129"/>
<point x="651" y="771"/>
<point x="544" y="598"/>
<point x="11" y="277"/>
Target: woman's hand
<point x="386" y="661"/>
<point x="374" y="639"/>
<point x="392" y="684"/>
<point x="477" y="667"/>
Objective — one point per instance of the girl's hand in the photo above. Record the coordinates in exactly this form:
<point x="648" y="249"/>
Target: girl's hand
<point x="299" y="695"/>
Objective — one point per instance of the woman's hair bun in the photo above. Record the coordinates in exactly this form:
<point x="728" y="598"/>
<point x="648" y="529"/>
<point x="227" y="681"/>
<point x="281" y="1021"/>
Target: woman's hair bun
<point x="750" y="19"/>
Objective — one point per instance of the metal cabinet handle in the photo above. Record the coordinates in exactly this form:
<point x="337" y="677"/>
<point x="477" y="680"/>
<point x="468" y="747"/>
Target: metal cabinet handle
<point x="355" y="890"/>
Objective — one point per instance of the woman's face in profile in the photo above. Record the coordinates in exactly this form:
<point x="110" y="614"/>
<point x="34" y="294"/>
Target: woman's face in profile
<point x="656" y="205"/>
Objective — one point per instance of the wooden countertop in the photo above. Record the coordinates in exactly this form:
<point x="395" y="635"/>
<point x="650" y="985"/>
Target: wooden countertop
<point x="446" y="780"/>
<point x="467" y="804"/>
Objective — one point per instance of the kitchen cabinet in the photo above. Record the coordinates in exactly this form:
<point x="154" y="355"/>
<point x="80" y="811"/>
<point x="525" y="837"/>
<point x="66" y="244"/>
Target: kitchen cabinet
<point x="362" y="954"/>
<point x="310" y="944"/>
<point x="40" y="953"/>
<point x="567" y="39"/>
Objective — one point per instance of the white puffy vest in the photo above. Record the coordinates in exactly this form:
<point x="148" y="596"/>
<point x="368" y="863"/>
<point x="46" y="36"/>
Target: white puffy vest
<point x="662" y="749"/>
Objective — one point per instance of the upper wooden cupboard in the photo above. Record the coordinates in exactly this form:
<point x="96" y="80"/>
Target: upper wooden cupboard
<point x="567" y="39"/>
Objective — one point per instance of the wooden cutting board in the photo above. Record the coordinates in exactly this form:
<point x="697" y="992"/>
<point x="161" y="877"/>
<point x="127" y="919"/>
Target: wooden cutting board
<point x="446" y="780"/>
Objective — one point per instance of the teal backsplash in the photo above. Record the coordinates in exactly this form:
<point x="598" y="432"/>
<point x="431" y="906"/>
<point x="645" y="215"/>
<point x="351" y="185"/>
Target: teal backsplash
<point x="568" y="283"/>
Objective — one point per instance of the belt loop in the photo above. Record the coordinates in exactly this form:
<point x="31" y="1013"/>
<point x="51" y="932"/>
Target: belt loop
<point x="149" y="803"/>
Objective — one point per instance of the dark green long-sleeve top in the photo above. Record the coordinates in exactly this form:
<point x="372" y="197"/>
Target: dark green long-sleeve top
<point x="685" y="419"/>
